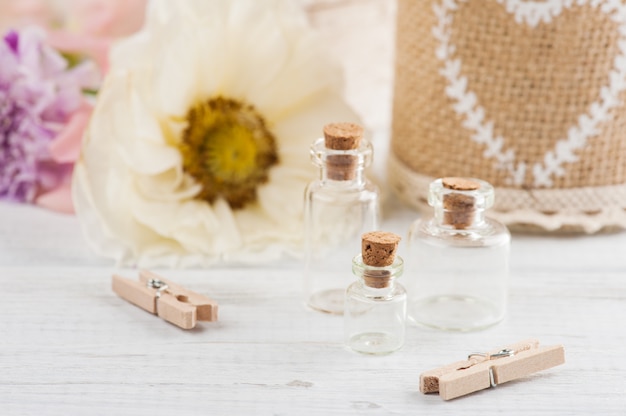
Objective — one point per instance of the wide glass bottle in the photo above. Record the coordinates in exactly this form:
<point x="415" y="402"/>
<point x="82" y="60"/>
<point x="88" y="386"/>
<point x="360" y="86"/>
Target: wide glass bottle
<point x="459" y="259"/>
<point x="375" y="313"/>
<point x="339" y="207"/>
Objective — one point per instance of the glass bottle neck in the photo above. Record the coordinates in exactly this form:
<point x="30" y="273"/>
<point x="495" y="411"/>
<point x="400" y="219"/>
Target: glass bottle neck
<point x="376" y="285"/>
<point x="342" y="168"/>
<point x="378" y="280"/>
<point x="460" y="203"/>
<point x="460" y="219"/>
<point x="333" y="176"/>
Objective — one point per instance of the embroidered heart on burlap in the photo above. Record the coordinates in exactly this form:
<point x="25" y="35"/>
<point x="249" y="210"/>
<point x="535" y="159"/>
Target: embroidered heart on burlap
<point x="547" y="88"/>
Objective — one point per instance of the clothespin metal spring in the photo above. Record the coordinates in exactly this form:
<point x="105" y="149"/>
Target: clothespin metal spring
<point x="506" y="352"/>
<point x="161" y="287"/>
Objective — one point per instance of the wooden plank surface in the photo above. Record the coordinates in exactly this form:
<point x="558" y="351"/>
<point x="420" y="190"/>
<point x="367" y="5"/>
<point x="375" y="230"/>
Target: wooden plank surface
<point x="68" y="345"/>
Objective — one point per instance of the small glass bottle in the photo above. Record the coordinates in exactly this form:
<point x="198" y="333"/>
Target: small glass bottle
<point x="375" y="315"/>
<point x="339" y="207"/>
<point x="459" y="259"/>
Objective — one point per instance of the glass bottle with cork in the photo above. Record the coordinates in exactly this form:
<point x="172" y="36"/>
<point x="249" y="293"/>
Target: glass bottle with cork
<point x="339" y="206"/>
<point x="375" y="315"/>
<point x="459" y="259"/>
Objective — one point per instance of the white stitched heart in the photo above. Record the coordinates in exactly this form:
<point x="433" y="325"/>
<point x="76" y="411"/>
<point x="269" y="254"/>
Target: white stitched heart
<point x="466" y="102"/>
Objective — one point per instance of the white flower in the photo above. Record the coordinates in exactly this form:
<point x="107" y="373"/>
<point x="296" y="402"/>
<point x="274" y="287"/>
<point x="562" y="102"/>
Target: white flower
<point x="198" y="147"/>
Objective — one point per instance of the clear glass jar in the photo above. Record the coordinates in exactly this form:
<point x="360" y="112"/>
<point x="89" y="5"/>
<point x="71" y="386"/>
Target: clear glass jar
<point x="339" y="207"/>
<point x="375" y="316"/>
<point x="459" y="260"/>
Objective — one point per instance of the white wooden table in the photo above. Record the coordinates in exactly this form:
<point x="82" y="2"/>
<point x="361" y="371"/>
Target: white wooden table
<point x="69" y="346"/>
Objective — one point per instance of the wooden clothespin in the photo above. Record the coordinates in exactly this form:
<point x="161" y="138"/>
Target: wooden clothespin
<point x="484" y="370"/>
<point x="172" y="302"/>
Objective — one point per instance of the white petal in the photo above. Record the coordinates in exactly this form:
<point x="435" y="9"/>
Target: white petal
<point x="300" y="81"/>
<point x="172" y="185"/>
<point x="176" y="75"/>
<point x="259" y="231"/>
<point x="228" y="238"/>
<point x="186" y="222"/>
<point x="149" y="158"/>
<point x="285" y="189"/>
<point x="146" y="125"/>
<point x="254" y="54"/>
<point x="304" y="126"/>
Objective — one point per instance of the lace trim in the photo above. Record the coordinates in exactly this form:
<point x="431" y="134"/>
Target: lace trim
<point x="589" y="209"/>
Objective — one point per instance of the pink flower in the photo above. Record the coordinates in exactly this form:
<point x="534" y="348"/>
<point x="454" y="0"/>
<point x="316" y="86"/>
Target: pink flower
<point x="84" y="27"/>
<point x="65" y="149"/>
<point x="36" y="166"/>
<point x="97" y="23"/>
<point x="43" y="113"/>
<point x="20" y="13"/>
<point x="93" y="47"/>
<point x="109" y="18"/>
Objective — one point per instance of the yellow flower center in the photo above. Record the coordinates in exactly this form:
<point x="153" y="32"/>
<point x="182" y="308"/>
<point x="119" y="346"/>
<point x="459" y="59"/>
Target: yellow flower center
<point x="228" y="149"/>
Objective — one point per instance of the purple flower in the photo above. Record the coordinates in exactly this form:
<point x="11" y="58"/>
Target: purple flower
<point x="38" y="95"/>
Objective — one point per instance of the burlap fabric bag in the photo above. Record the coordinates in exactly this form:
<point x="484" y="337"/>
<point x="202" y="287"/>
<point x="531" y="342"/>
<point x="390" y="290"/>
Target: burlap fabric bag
<point x="528" y="95"/>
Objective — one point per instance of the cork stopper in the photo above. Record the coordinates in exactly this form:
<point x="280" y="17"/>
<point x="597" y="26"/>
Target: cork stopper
<point x="460" y="184"/>
<point x="378" y="249"/>
<point x="342" y="136"/>
<point x="459" y="208"/>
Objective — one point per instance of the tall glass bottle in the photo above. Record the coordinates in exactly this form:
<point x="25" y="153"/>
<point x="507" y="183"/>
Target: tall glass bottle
<point x="375" y="315"/>
<point x="459" y="259"/>
<point x="339" y="207"/>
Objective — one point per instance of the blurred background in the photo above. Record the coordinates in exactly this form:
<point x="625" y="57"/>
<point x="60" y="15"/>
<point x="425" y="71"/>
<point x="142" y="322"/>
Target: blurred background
<point x="358" y="33"/>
